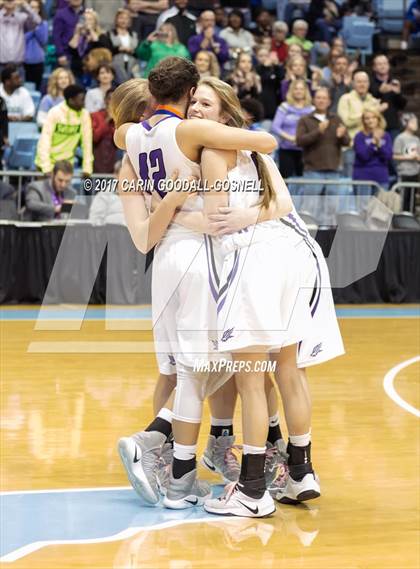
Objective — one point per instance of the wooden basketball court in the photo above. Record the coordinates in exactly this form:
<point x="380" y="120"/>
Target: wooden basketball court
<point x="67" y="395"/>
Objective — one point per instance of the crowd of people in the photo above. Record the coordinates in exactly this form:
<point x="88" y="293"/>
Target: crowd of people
<point x="333" y="118"/>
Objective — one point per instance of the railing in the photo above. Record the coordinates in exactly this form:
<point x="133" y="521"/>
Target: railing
<point x="24" y="177"/>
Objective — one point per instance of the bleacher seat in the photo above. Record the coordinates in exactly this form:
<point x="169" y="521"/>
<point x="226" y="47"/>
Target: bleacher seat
<point x="8" y="210"/>
<point x="405" y="220"/>
<point x="36" y="97"/>
<point x="22" y="129"/>
<point x="30" y="86"/>
<point x="358" y="33"/>
<point x="350" y="221"/>
<point x="390" y="16"/>
<point x="22" y="155"/>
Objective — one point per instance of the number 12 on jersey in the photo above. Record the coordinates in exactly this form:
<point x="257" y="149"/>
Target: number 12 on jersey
<point x="152" y="168"/>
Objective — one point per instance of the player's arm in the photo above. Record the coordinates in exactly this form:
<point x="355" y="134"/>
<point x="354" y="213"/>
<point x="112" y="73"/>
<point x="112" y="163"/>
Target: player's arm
<point x="214" y="170"/>
<point x="145" y="230"/>
<point x="120" y="134"/>
<point x="202" y="133"/>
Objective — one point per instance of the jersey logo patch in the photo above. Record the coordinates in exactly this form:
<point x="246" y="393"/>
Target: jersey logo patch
<point x="227" y="335"/>
<point x="317" y="349"/>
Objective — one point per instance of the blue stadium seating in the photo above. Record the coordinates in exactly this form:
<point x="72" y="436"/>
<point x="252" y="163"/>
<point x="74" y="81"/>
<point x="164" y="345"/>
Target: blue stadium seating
<point x="36" y="97"/>
<point x="22" y="155"/>
<point x="390" y="15"/>
<point x="358" y="33"/>
<point x="21" y="130"/>
<point x="30" y="86"/>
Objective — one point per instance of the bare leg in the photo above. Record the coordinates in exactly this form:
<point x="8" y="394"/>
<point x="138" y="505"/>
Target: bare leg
<point x="222" y="403"/>
<point x="163" y="389"/>
<point x="271" y="394"/>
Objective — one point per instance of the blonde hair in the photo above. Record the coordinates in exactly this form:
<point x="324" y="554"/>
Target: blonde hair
<point x="377" y="114"/>
<point x="97" y="27"/>
<point x="175" y="38"/>
<point x="290" y="97"/>
<point x="96" y="57"/>
<point x="129" y="101"/>
<point x="52" y="88"/>
<point x="294" y="59"/>
<point x="122" y="11"/>
<point x="231" y="107"/>
<point x="214" y="67"/>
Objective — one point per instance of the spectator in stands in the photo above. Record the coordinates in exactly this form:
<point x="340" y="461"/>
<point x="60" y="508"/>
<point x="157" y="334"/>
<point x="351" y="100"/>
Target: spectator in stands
<point x="208" y="39"/>
<point x="95" y="98"/>
<point x="20" y="106"/>
<point x="183" y="21"/>
<point x="299" y="33"/>
<point x="407" y="155"/>
<point x="67" y="126"/>
<point x="321" y="135"/>
<point x="15" y="19"/>
<point x="340" y="81"/>
<point x="298" y="104"/>
<point x="254" y="113"/>
<point x="104" y="150"/>
<point x="59" y="79"/>
<point x="133" y="7"/>
<point x="236" y="36"/>
<point x="107" y="206"/>
<point x="411" y="23"/>
<point x="278" y="42"/>
<point x="244" y="79"/>
<point x="160" y="44"/>
<point x="263" y="25"/>
<point x="271" y="75"/>
<point x="336" y="52"/>
<point x="296" y="68"/>
<point x="148" y="13"/>
<point x="324" y="19"/>
<point x="4" y="127"/>
<point x="123" y="44"/>
<point x="87" y="35"/>
<point x="207" y="64"/>
<point x="64" y="24"/>
<point x="35" y="42"/>
<point x="388" y="90"/>
<point x="373" y="150"/>
<point x="352" y="105"/>
<point x="44" y="199"/>
<point x="221" y="17"/>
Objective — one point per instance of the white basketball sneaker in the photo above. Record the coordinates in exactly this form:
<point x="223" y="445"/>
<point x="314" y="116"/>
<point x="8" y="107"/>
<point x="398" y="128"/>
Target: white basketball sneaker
<point x="140" y="455"/>
<point x="186" y="492"/>
<point x="235" y="503"/>
<point x="299" y="491"/>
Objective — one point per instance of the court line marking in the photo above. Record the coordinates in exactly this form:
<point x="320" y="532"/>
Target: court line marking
<point x="61" y="490"/>
<point x="128" y="532"/>
<point x="389" y="388"/>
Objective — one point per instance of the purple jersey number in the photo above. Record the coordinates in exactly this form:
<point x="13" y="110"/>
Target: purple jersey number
<point x="152" y="161"/>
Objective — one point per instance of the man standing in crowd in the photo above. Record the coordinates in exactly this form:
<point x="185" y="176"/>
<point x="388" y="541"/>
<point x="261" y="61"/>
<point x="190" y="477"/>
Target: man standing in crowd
<point x="340" y="82"/>
<point x="350" y="109"/>
<point x="183" y="21"/>
<point x="388" y="90"/>
<point x="148" y="13"/>
<point x="321" y="135"/>
<point x="65" y="22"/>
<point x="20" y="106"/>
<point x="67" y="125"/>
<point x="44" y="199"/>
<point x="208" y="40"/>
<point x="16" y="18"/>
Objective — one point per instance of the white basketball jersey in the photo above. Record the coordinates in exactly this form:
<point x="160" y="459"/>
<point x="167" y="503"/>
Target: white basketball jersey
<point x="155" y="155"/>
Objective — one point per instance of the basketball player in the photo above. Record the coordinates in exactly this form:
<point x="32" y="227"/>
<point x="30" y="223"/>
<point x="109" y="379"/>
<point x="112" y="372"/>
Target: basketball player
<point x="153" y="151"/>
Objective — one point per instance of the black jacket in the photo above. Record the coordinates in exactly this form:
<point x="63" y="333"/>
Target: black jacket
<point x="396" y="103"/>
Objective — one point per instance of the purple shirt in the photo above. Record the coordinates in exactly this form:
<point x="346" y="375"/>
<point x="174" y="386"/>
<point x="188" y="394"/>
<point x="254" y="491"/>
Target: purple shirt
<point x="36" y="40"/>
<point x="286" y="120"/>
<point x="372" y="162"/>
<point x="12" y="37"/>
<point x="194" y="46"/>
<point x="65" y="21"/>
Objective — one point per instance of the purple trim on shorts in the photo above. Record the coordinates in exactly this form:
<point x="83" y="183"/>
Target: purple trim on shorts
<point x="229" y="281"/>
<point x="212" y="287"/>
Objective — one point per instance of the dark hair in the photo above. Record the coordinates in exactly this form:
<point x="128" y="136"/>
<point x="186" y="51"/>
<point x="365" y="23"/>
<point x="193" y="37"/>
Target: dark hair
<point x="63" y="166"/>
<point x="254" y="108"/>
<point x="104" y="65"/>
<point x="72" y="91"/>
<point x="172" y="79"/>
<point x="239" y="14"/>
<point x="7" y="72"/>
<point x="109" y="92"/>
<point x="42" y="12"/>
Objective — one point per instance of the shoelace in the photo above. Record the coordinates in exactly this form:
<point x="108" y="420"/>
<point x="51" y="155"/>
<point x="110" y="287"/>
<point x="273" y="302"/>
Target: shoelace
<point x="230" y="458"/>
<point x="229" y="490"/>
<point x="281" y="479"/>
